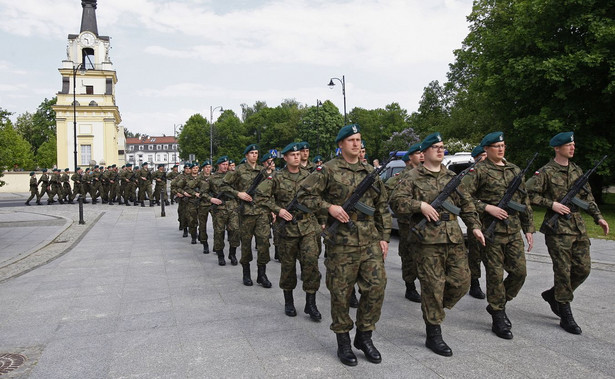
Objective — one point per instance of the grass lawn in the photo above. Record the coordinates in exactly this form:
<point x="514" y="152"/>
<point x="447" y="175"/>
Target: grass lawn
<point x="593" y="230"/>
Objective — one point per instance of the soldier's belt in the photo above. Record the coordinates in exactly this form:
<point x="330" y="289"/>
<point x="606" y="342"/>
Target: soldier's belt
<point x="445" y="216"/>
<point x="358" y="216"/>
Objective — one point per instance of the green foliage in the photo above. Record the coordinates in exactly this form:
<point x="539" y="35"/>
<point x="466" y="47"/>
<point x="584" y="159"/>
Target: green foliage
<point x="15" y="152"/>
<point x="194" y="138"/>
<point x="401" y="141"/>
<point x="319" y="127"/>
<point x="229" y="136"/>
<point x="47" y="153"/>
<point x="39" y="127"/>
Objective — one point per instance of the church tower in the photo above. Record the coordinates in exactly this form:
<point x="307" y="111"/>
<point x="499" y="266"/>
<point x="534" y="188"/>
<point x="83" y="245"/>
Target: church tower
<point x="87" y="117"/>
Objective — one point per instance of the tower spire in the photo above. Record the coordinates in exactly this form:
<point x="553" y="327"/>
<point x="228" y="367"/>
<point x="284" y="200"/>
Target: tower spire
<point x="88" y="17"/>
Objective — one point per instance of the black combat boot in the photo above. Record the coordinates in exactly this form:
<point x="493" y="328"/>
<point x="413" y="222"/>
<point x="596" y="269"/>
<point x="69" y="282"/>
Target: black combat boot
<point x="262" y="276"/>
<point x="344" y="350"/>
<point x="276" y="255"/>
<point x="110" y="202"/>
<point x="185" y="232"/>
<point x="166" y="202"/>
<point x="475" y="290"/>
<point x="38" y="202"/>
<point x="310" y="307"/>
<point x="28" y="203"/>
<point x="247" y="281"/>
<point x="354" y="302"/>
<point x="500" y="326"/>
<point x="289" y="304"/>
<point x="435" y="342"/>
<point x="221" y="260"/>
<point x="193" y="239"/>
<point x="411" y="293"/>
<point x="120" y="202"/>
<point x="143" y="204"/>
<point x="206" y="249"/>
<point x="363" y="342"/>
<point x="151" y="203"/>
<point x="128" y="204"/>
<point x="567" y="322"/>
<point x="549" y="297"/>
<point x="232" y="255"/>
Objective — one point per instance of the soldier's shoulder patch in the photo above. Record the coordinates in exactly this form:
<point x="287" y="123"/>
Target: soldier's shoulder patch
<point x="396" y="174"/>
<point x="320" y="168"/>
<point x="472" y="169"/>
<point x="537" y="172"/>
<point x="270" y="177"/>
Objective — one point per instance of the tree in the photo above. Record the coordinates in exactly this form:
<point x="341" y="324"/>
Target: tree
<point x="319" y="127"/>
<point x="230" y="137"/>
<point x="15" y="152"/>
<point x="194" y="138"/>
<point x="39" y="127"/>
<point x="47" y="153"/>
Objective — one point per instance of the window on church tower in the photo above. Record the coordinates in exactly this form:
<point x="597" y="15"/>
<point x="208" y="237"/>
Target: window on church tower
<point x="86" y="154"/>
<point x="89" y="90"/>
<point x="88" y="58"/>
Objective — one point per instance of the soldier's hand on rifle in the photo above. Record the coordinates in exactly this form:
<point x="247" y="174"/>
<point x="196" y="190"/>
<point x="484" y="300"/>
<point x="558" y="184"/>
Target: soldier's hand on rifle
<point x="338" y="213"/>
<point x="384" y="245"/>
<point x="187" y="194"/>
<point x="479" y="236"/>
<point x="197" y="195"/>
<point x="286" y="215"/>
<point x="560" y="208"/>
<point x="244" y="196"/>
<point x="496" y="212"/>
<point x="530" y="241"/>
<point x="604" y="225"/>
<point x="213" y="200"/>
<point x="430" y="213"/>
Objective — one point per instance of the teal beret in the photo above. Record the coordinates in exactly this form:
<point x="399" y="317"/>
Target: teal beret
<point x="188" y="165"/>
<point x="65" y="169"/>
<point x="222" y="159"/>
<point x="174" y="166"/>
<point x="249" y="148"/>
<point x="431" y="139"/>
<point x="317" y="158"/>
<point x="265" y="157"/>
<point x="124" y="166"/>
<point x="303" y="145"/>
<point x="562" y="139"/>
<point x="143" y="164"/>
<point x="206" y="163"/>
<point x="113" y="166"/>
<point x="414" y="148"/>
<point x="128" y="164"/>
<point x="161" y="166"/>
<point x="136" y="166"/>
<point x="242" y="161"/>
<point x="362" y="144"/>
<point x="87" y="169"/>
<point x="32" y="173"/>
<point x="347" y="131"/>
<point x="492" y="138"/>
<point x="478" y="150"/>
<point x="231" y="161"/>
<point x="77" y="168"/>
<point x="406" y="157"/>
<point x="293" y="146"/>
<point x="44" y="170"/>
<point x="96" y="166"/>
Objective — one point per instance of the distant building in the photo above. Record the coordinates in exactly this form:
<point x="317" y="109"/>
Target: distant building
<point x="153" y="150"/>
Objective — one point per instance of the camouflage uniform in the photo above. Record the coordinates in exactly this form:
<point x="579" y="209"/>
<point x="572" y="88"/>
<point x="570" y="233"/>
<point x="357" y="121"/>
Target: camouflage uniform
<point x="145" y="186"/>
<point x="204" y="206"/>
<point x="177" y="186"/>
<point x="105" y="185"/>
<point x="66" y="190"/>
<point x="441" y="261"/>
<point x="224" y="215"/>
<point x="160" y="190"/>
<point x="356" y="256"/>
<point x="95" y="188"/>
<point x="77" y="185"/>
<point x="569" y="245"/>
<point x="170" y="176"/>
<point x="45" y="188"/>
<point x="487" y="183"/>
<point x="87" y="183"/>
<point x="33" y="190"/>
<point x="297" y="241"/>
<point x="191" y="185"/>
<point x="56" y="188"/>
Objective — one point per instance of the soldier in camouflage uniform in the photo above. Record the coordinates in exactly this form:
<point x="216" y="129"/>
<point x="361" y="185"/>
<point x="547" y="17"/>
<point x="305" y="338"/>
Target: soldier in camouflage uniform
<point x="56" y="187"/>
<point x="254" y="219"/>
<point x="357" y="255"/>
<point x="170" y="176"/>
<point x="231" y="165"/>
<point x="304" y="148"/>
<point x="160" y="191"/>
<point x="224" y="216"/>
<point x="33" y="189"/>
<point x="204" y="206"/>
<point x="414" y="157"/>
<point x="441" y="261"/>
<point x="487" y="184"/>
<point x="96" y="186"/>
<point x="296" y="240"/>
<point x="125" y="177"/>
<point x="191" y="191"/>
<point x="474" y="247"/>
<point x="114" y="185"/>
<point x="77" y="179"/>
<point x="145" y="185"/>
<point x="45" y="187"/>
<point x="177" y="186"/>
<point x="66" y="190"/>
<point x="568" y="245"/>
<point x="105" y="176"/>
<point x="87" y="183"/>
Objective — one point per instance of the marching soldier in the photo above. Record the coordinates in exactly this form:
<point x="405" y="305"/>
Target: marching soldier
<point x="304" y="148"/>
<point x="318" y="161"/>
<point x="204" y="206"/>
<point x="192" y="192"/>
<point x="145" y="185"/>
<point x="66" y="190"/>
<point x="56" y="188"/>
<point x="224" y="215"/>
<point x="297" y="241"/>
<point x="96" y="186"/>
<point x="87" y="180"/>
<point x="160" y="190"/>
<point x="33" y="189"/>
<point x="568" y="245"/>
<point x="254" y="221"/>
<point x="441" y="261"/>
<point x="487" y="184"/>
<point x="114" y="186"/>
<point x="170" y="176"/>
<point x="231" y="165"/>
<point x="414" y="157"/>
<point x="45" y="187"/>
<point x="77" y="179"/>
<point x="135" y="181"/>
<point x="177" y="186"/>
<point x="105" y="178"/>
<point x="358" y="253"/>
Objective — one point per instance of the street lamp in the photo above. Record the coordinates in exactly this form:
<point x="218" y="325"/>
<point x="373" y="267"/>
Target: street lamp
<point x="318" y="104"/>
<point x="81" y="68"/>
<point x="211" y="132"/>
<point x="343" y="81"/>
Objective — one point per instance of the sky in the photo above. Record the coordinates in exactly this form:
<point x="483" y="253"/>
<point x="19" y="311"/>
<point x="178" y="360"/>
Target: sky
<point x="175" y="58"/>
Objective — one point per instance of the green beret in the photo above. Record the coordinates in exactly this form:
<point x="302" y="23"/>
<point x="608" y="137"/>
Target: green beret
<point x="478" y="150"/>
<point x="187" y="165"/>
<point x="414" y="148"/>
<point x="293" y="146"/>
<point x="242" y="161"/>
<point x="303" y="145"/>
<point x="143" y="164"/>
<point x="406" y="157"/>
<point x="222" y="159"/>
<point x="347" y="131"/>
<point x="32" y="173"/>
<point x="87" y="169"/>
<point x="362" y="144"/>
<point x="128" y="164"/>
<point x="109" y="167"/>
<point x="206" y="163"/>
<point x="266" y="157"/>
<point x="96" y="166"/>
<point x="44" y="170"/>
<point x="136" y="166"/>
<point x="562" y="139"/>
<point x="161" y="165"/>
<point x="317" y="158"/>
<point x="77" y="168"/>
<point x="113" y="166"/>
<point x="249" y="148"/>
<point x="65" y="169"/>
<point x="492" y="138"/>
<point x="231" y="161"/>
<point x="175" y="166"/>
<point x="431" y="139"/>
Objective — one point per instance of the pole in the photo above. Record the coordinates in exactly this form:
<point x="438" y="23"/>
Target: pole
<point x="344" y="93"/>
<point x="75" y="115"/>
<point x="211" y="133"/>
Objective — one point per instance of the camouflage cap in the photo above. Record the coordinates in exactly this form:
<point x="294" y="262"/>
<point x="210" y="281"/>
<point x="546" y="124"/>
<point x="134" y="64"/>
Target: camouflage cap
<point x="562" y="139"/>
<point x="478" y="150"/>
<point x="492" y="138"/>
<point x="347" y="131"/>
<point x="249" y="148"/>
<point x="293" y="146"/>
<point x="431" y="139"/>
<point x="222" y="159"/>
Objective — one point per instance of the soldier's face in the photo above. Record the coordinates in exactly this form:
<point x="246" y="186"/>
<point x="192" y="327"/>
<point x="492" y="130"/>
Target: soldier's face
<point x="252" y="157"/>
<point x="231" y="166"/>
<point x="417" y="158"/>
<point x="223" y="167"/>
<point x="195" y="170"/>
<point x="207" y="169"/>
<point x="496" y="151"/>
<point x="351" y="146"/>
<point x="434" y="153"/>
<point x="293" y="158"/>
<point x="305" y="154"/>
<point x="480" y="157"/>
<point x="362" y="154"/>
<point x="566" y="151"/>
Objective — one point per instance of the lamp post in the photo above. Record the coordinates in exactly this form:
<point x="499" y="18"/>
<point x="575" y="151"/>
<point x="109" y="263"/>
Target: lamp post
<point x="343" y="81"/>
<point x="81" y="68"/>
<point x="211" y="131"/>
<point x="318" y="104"/>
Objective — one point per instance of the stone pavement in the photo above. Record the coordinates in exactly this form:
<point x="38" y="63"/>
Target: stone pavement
<point x="126" y="296"/>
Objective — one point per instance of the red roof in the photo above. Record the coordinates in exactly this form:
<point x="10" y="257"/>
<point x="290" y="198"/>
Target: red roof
<point x="152" y="139"/>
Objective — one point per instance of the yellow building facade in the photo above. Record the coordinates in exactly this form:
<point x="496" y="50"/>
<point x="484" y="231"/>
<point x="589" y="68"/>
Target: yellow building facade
<point x="86" y="111"/>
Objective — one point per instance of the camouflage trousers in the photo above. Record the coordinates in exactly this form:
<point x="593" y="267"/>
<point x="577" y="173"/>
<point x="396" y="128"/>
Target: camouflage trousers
<point x="192" y="215"/>
<point x="104" y="192"/>
<point x="44" y="190"/>
<point x="129" y="191"/>
<point x="203" y="216"/>
<point x="507" y="253"/>
<point x="95" y="190"/>
<point x="407" y="252"/>
<point x="160" y="192"/>
<point x="347" y="265"/>
<point x="78" y="190"/>
<point x="181" y="212"/>
<point x="304" y="250"/>
<point x="225" y="219"/>
<point x="33" y="194"/>
<point x="56" y="189"/>
<point x="143" y="189"/>
<point x="445" y="278"/>
<point x="571" y="263"/>
<point x="474" y="256"/>
<point x="67" y="192"/>
<point x="257" y="226"/>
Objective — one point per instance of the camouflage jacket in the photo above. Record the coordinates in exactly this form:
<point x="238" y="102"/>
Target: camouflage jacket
<point x="172" y="175"/>
<point x="332" y="184"/>
<point x="160" y="178"/>
<point x="33" y="183"/>
<point x="76" y="178"/>
<point x="55" y="178"/>
<point x="215" y="185"/>
<point x="64" y="178"/>
<point x="487" y="183"/>
<point x="145" y="176"/>
<point x="277" y="191"/>
<point x="309" y="167"/>
<point x="177" y="184"/>
<point x="550" y="183"/>
<point x="391" y="184"/>
<point x="240" y="180"/>
<point x="421" y="185"/>
<point x="44" y="179"/>
<point x="95" y="176"/>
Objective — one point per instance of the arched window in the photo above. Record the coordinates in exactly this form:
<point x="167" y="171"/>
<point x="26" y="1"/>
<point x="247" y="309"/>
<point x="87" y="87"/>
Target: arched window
<point x="88" y="58"/>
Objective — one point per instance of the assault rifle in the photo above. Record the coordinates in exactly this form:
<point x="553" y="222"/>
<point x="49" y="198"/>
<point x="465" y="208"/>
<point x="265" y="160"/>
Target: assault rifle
<point x="440" y="202"/>
<point x="507" y="203"/>
<point x="571" y="199"/>
<point x="291" y="207"/>
<point x="353" y="203"/>
<point x="252" y="190"/>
